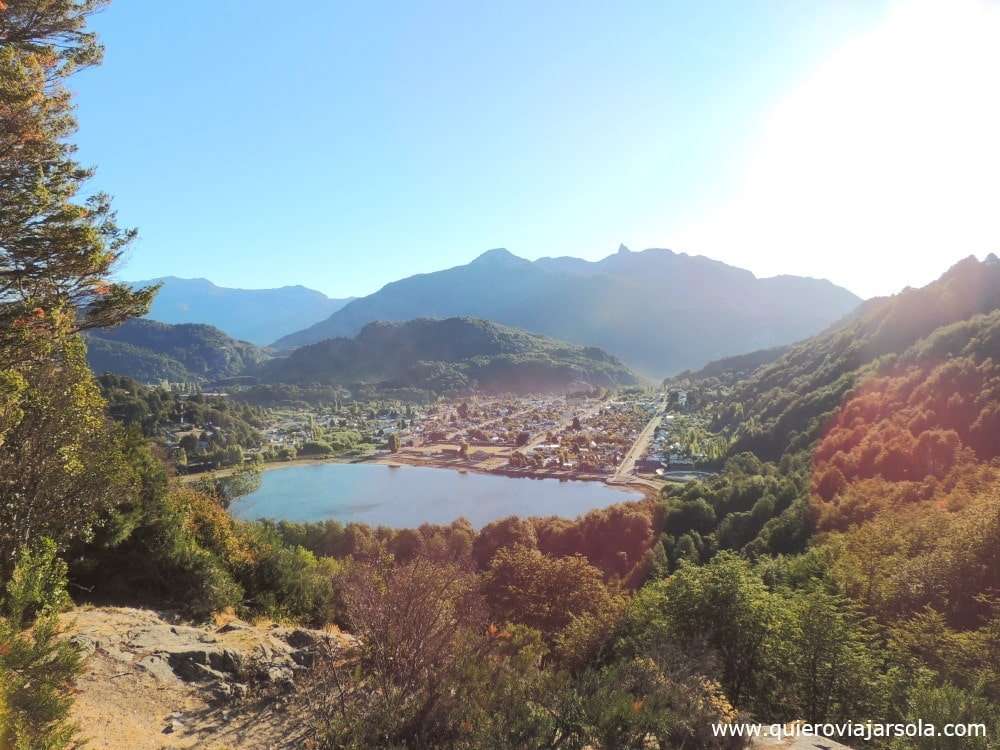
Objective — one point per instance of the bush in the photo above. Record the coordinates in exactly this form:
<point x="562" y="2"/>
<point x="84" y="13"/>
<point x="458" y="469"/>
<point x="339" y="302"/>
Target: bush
<point x="285" y="582"/>
<point x="37" y="585"/>
<point x="315" y="448"/>
<point x="37" y="669"/>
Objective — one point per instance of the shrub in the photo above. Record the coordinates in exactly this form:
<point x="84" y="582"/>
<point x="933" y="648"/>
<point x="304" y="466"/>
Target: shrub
<point x="37" y="669"/>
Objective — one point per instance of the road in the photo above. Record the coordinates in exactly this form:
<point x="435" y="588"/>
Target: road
<point x="626" y="469"/>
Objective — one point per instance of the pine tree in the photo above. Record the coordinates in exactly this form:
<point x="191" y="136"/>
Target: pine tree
<point x="56" y="254"/>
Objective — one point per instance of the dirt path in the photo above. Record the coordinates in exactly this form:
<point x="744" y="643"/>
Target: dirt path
<point x="153" y="683"/>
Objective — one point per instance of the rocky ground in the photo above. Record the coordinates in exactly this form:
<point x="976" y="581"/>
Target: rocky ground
<point x="796" y="743"/>
<point x="151" y="682"/>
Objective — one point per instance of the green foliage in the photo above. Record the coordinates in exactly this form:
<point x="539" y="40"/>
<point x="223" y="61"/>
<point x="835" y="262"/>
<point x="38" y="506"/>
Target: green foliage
<point x="149" y="351"/>
<point x="948" y="704"/>
<point x="37" y="585"/>
<point x="232" y="485"/>
<point x="726" y="607"/>
<point x="37" y="668"/>
<point x="60" y="461"/>
<point x="785" y="402"/>
<point x="231" y="422"/>
<point x="57" y="252"/>
<point x="287" y="583"/>
<point x="315" y="448"/>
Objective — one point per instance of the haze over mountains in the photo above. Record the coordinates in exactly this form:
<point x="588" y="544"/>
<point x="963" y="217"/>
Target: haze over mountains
<point x="659" y="311"/>
<point x="438" y="356"/>
<point x="256" y="315"/>
<point x="455" y="354"/>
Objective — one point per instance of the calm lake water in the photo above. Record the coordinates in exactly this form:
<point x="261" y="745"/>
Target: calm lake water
<point x="407" y="496"/>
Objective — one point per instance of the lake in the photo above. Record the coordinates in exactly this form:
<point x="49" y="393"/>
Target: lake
<point x="407" y="496"/>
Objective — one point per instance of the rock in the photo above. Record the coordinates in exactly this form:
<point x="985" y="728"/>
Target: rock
<point x="234" y="626"/>
<point x="158" y="667"/>
<point x="174" y="725"/>
<point x="223" y="690"/>
<point x="85" y="643"/>
<point x="193" y="665"/>
<point x="282" y="676"/>
<point x="301" y="638"/>
<point x="226" y="660"/>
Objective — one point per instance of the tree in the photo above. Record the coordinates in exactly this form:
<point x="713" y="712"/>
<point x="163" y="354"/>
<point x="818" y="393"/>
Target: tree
<point x="507" y="532"/>
<point x="57" y="458"/>
<point x="225" y="488"/>
<point x="55" y="254"/>
<point x="61" y="465"/>
<point x="394" y="442"/>
<point x="833" y="660"/>
<point x="37" y="668"/>
<point x="419" y="626"/>
<point x="546" y="593"/>
<point x="725" y="607"/>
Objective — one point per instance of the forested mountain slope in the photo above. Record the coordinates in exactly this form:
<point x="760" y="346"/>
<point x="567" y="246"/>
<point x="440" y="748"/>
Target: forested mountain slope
<point x="886" y="495"/>
<point x="149" y="351"/>
<point x="658" y="311"/>
<point x="450" y="355"/>
<point x="780" y="404"/>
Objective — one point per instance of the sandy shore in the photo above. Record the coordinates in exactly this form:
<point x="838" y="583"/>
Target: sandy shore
<point x="402" y="459"/>
<point x="268" y="465"/>
<point x="648" y="489"/>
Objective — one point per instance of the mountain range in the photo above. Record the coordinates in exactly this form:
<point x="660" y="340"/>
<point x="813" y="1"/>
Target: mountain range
<point x="440" y="356"/>
<point x="454" y="354"/>
<point x="256" y="315"/>
<point x="659" y="311"/>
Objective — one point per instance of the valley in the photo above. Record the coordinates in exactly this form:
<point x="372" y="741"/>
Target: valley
<point x="373" y="488"/>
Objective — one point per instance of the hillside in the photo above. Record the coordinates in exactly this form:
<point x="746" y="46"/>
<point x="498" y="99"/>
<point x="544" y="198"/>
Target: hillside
<point x="149" y="351"/>
<point x="784" y="400"/>
<point x="450" y="355"/>
<point x="865" y="462"/>
<point x="659" y="311"/>
<point x="256" y="315"/>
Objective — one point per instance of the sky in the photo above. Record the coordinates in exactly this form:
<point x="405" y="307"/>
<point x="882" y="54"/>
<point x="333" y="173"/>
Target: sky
<point x="348" y="144"/>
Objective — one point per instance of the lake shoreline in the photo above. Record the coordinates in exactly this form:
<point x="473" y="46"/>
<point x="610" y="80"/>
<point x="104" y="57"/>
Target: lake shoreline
<point x="383" y="494"/>
<point x="647" y="491"/>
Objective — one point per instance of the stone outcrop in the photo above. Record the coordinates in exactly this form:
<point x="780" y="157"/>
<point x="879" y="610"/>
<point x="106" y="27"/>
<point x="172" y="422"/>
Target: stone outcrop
<point x="227" y="658"/>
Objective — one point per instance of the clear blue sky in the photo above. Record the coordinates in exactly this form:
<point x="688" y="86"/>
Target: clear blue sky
<point x="344" y="145"/>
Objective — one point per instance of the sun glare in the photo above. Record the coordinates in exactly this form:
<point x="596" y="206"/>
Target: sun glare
<point x="886" y="154"/>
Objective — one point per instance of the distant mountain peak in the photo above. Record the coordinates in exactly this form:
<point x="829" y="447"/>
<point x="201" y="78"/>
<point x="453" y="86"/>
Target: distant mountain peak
<point x="658" y="310"/>
<point x="498" y="256"/>
<point x="623" y="249"/>
<point x="256" y="315"/>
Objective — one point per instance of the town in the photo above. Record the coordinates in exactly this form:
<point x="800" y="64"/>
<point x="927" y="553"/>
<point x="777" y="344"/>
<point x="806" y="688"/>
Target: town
<point x="639" y="436"/>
